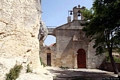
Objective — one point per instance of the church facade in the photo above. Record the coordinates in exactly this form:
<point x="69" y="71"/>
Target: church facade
<point x="72" y="48"/>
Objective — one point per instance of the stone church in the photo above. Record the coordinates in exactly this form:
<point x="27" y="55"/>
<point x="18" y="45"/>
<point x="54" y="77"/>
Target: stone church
<point x="72" y="48"/>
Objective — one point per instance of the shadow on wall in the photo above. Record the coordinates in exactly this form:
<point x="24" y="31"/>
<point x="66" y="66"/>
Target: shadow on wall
<point x="67" y="50"/>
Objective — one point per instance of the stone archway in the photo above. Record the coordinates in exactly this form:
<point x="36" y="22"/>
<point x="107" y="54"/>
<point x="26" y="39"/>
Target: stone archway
<point x="81" y="58"/>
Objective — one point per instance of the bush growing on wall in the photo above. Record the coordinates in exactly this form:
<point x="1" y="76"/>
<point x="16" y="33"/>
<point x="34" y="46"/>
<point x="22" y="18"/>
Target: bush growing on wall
<point x="42" y="63"/>
<point x="28" y="70"/>
<point x="14" y="72"/>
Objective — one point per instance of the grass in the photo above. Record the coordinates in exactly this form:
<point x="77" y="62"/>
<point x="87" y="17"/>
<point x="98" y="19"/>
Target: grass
<point x="117" y="59"/>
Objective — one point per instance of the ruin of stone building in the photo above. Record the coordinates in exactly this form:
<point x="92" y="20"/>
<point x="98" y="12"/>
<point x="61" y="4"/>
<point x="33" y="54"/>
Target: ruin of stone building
<point x="72" y="48"/>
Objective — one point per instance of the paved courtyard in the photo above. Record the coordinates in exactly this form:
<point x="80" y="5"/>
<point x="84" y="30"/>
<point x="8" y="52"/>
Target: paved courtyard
<point x="68" y="74"/>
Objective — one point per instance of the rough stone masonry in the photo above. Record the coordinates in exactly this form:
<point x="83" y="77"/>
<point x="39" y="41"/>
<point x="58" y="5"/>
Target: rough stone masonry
<point x="19" y="28"/>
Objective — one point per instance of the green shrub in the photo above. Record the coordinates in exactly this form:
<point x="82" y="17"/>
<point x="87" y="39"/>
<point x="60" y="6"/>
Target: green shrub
<point x="14" y="72"/>
<point x="117" y="60"/>
<point x="42" y="63"/>
<point x="28" y="70"/>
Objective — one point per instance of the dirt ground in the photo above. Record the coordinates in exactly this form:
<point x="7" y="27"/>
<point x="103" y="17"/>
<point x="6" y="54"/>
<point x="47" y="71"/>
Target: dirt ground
<point x="88" y="74"/>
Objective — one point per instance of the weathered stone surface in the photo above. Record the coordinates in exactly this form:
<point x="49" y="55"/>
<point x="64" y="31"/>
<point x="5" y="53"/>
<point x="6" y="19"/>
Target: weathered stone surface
<point x="7" y="63"/>
<point x="94" y="61"/>
<point x="43" y="32"/>
<point x="19" y="29"/>
<point x="5" y="66"/>
<point x="31" y="76"/>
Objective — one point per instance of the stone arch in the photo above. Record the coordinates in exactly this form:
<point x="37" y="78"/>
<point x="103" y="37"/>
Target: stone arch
<point x="50" y="40"/>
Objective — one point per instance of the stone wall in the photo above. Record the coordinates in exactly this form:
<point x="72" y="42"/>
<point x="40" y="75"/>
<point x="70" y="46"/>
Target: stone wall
<point x="64" y="48"/>
<point x="94" y="61"/>
<point x="69" y="39"/>
<point x="19" y="28"/>
<point x="108" y="66"/>
<point x="44" y="52"/>
<point x="65" y="54"/>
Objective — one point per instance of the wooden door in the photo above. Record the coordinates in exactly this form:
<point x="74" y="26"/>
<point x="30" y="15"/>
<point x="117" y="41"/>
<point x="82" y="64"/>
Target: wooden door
<point x="48" y="59"/>
<point x="81" y="58"/>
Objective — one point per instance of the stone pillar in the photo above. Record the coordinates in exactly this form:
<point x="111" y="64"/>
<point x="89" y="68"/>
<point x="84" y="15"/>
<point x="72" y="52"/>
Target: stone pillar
<point x="75" y="11"/>
<point x="75" y="65"/>
<point x="69" y="19"/>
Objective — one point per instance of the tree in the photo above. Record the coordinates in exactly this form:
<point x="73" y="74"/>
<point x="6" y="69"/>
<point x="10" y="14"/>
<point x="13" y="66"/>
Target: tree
<point x="103" y="26"/>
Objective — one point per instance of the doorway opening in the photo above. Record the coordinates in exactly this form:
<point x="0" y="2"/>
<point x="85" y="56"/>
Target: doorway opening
<point x="48" y="59"/>
<point x="81" y="58"/>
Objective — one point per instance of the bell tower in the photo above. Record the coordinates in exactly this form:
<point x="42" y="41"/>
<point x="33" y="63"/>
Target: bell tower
<point x="76" y="12"/>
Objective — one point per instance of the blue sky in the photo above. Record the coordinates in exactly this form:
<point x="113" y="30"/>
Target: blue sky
<point x="55" y="12"/>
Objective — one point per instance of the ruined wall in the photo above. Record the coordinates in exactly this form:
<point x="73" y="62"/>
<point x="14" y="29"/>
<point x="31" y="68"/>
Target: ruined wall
<point x="43" y="54"/>
<point x="19" y="28"/>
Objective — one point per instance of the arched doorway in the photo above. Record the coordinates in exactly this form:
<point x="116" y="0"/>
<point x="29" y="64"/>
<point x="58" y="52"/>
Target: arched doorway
<point x="81" y="58"/>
